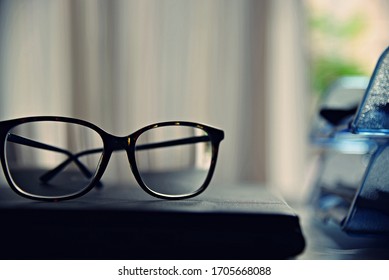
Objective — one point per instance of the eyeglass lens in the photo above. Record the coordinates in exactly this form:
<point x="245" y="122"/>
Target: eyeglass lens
<point x="173" y="160"/>
<point x="52" y="159"/>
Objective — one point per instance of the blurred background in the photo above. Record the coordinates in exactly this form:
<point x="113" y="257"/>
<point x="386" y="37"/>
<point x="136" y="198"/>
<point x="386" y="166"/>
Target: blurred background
<point x="256" y="69"/>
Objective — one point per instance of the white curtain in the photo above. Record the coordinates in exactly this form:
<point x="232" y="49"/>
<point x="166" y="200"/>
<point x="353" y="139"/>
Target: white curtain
<point x="125" y="64"/>
<point x="288" y="100"/>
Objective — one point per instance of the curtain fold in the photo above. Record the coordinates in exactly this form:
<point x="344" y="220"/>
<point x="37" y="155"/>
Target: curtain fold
<point x="287" y="89"/>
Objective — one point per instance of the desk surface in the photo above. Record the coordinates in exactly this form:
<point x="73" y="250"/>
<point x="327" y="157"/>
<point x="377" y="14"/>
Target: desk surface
<point x="123" y="222"/>
<point x="326" y="241"/>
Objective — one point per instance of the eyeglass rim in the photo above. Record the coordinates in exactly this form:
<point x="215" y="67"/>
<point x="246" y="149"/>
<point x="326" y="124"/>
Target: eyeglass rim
<point x="216" y="136"/>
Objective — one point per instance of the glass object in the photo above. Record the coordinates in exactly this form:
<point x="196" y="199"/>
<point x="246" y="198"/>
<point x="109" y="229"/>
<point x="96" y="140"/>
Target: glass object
<point x="57" y="158"/>
<point x="352" y="187"/>
<point x="373" y="115"/>
<point x="337" y="108"/>
<point x="369" y="211"/>
<point x="342" y="156"/>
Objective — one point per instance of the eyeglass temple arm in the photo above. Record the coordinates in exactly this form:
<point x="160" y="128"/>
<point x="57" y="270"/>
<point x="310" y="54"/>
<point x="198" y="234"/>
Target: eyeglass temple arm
<point x="31" y="143"/>
<point x="52" y="173"/>
<point x="191" y="140"/>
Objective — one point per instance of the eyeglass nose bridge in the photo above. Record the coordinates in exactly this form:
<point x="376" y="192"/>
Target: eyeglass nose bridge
<point x="112" y="144"/>
<point x="117" y="143"/>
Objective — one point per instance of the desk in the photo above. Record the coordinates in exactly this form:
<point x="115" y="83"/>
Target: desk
<point x="123" y="222"/>
<point x="325" y="241"/>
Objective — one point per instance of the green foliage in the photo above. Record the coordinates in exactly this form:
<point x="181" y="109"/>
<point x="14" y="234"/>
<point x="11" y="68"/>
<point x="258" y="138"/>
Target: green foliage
<point x="329" y="66"/>
<point x="349" y="29"/>
<point x="328" y="69"/>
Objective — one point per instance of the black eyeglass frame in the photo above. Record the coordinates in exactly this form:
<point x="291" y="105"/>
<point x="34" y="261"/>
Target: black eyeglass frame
<point x="111" y="143"/>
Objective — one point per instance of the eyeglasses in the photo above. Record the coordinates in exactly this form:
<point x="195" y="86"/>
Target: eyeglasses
<point x="59" y="158"/>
